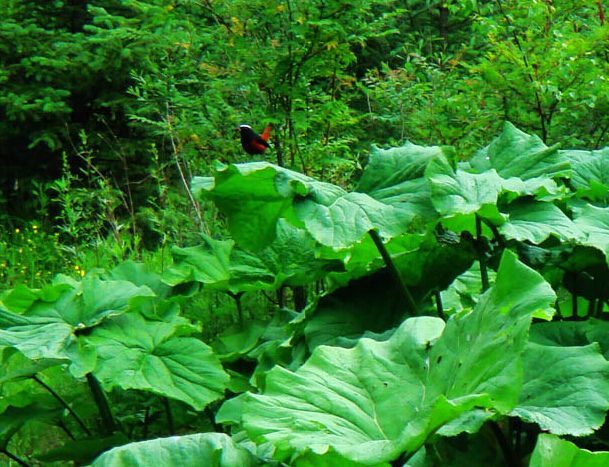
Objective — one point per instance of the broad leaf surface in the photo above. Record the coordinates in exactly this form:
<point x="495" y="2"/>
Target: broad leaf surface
<point x="590" y="172"/>
<point x="390" y="167"/>
<point x="516" y="154"/>
<point x="572" y="333"/>
<point x="565" y="389"/>
<point x="465" y="290"/>
<point x="140" y="275"/>
<point x="134" y="353"/>
<point x="253" y="197"/>
<point x="256" y="195"/>
<point x="594" y="223"/>
<point x="535" y="221"/>
<point x="221" y="265"/>
<point x="461" y="192"/>
<point x="425" y="263"/>
<point x="48" y="329"/>
<point x="19" y="299"/>
<point x="204" y="449"/>
<point x="350" y="311"/>
<point x="379" y="399"/>
<point x="551" y="451"/>
<point x="413" y="197"/>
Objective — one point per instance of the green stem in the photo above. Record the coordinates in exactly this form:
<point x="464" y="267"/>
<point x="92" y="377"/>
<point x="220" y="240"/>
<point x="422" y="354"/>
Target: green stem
<point x="66" y="430"/>
<point x="64" y="403"/>
<point x="558" y="311"/>
<point x="146" y="423"/>
<point x="591" y="307"/>
<point x="300" y="298"/>
<point x="237" y="298"/>
<point x="169" y="415"/>
<point x="439" y="306"/>
<point x="218" y="428"/>
<point x="600" y="303"/>
<point x="504" y="444"/>
<point x="405" y="294"/>
<point x="102" y="404"/>
<point x="481" y="258"/>
<point x="574" y="306"/>
<point x="15" y="458"/>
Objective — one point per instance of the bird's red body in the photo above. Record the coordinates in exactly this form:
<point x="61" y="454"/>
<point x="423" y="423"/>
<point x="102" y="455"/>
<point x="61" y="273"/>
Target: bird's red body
<point x="252" y="142"/>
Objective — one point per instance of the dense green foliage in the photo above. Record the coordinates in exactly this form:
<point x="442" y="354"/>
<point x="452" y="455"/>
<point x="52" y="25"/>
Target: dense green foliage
<point x="404" y="279"/>
<point x="453" y="301"/>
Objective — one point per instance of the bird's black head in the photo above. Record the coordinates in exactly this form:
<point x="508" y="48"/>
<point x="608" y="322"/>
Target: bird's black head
<point x="246" y="130"/>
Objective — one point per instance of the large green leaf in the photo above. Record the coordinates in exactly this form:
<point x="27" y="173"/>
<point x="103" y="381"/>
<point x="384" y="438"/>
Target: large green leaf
<point x="465" y="290"/>
<point x="140" y="275"/>
<point x="256" y="195"/>
<point x="390" y="167"/>
<point x="51" y="329"/>
<point x="455" y="193"/>
<point x="413" y="197"/>
<point x="565" y="389"/>
<point x="516" y="154"/>
<point x="22" y="297"/>
<point x="551" y="451"/>
<point x="534" y="221"/>
<point x="204" y="449"/>
<point x="221" y="265"/>
<point x="210" y="265"/>
<point x="573" y="333"/>
<point x="380" y="399"/>
<point x="347" y="219"/>
<point x="478" y="348"/>
<point x="594" y="224"/>
<point x="350" y="311"/>
<point x="425" y="263"/>
<point x="589" y="176"/>
<point x="462" y="192"/>
<point x="134" y="353"/>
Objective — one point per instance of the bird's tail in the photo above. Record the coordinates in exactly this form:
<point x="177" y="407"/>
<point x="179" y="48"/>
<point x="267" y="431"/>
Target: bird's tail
<point x="266" y="134"/>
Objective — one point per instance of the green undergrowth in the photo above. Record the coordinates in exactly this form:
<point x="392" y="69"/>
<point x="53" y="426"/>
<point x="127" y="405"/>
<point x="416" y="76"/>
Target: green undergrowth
<point x="440" y="313"/>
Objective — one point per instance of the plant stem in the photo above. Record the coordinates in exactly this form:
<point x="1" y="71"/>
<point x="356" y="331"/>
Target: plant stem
<point x="300" y="298"/>
<point x="66" y="430"/>
<point x="405" y="295"/>
<point x="169" y="415"/>
<point x="218" y="428"/>
<point x="62" y="402"/>
<point x="237" y="298"/>
<point x="600" y="303"/>
<point x="504" y="444"/>
<point x="439" y="306"/>
<point x="574" y="307"/>
<point x="102" y="404"/>
<point x="591" y="307"/>
<point x="558" y="311"/>
<point x="15" y="458"/>
<point x="146" y="423"/>
<point x="481" y="258"/>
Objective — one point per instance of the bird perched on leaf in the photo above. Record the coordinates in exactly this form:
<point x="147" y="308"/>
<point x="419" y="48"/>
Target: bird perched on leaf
<point x="252" y="142"/>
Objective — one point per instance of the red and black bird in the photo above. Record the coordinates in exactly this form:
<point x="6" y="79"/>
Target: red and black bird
<point x="252" y="142"/>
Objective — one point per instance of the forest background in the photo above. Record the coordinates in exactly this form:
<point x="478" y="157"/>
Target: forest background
<point x="108" y="109"/>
